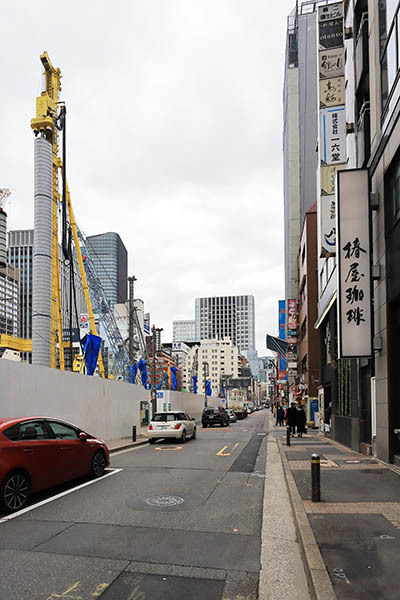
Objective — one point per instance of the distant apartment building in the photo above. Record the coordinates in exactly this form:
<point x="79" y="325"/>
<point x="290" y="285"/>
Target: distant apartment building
<point x="110" y="259"/>
<point x="184" y="331"/>
<point x="211" y="360"/>
<point x="223" y="317"/>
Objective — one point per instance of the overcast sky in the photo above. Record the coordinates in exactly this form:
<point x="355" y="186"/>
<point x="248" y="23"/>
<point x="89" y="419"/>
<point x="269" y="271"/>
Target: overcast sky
<point x="174" y="139"/>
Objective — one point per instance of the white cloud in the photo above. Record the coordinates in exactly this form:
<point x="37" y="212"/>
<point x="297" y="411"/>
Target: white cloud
<point x="174" y="139"/>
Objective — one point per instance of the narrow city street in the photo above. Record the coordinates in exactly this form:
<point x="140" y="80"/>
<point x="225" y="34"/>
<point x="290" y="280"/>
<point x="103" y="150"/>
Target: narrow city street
<point x="172" y="521"/>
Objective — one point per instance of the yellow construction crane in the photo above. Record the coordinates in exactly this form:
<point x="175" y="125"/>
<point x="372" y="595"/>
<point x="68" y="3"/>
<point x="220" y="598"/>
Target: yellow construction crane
<point x="47" y="115"/>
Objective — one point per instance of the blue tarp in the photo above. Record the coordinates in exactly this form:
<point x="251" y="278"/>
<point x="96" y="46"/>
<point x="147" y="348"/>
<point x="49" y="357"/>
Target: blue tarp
<point x="174" y="381"/>
<point x="165" y="378"/>
<point x="133" y="372"/>
<point x="91" y="347"/>
<point x="194" y="377"/>
<point x="143" y="370"/>
<point x="208" y="388"/>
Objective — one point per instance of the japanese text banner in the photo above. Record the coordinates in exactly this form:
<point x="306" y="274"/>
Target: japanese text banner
<point x="354" y="273"/>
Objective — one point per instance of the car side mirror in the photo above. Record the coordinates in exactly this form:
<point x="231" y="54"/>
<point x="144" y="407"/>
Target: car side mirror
<point x="83" y="436"/>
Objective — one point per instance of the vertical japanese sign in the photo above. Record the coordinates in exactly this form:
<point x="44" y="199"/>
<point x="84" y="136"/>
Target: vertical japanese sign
<point x="291" y="320"/>
<point x="332" y="119"/>
<point x="354" y="276"/>
<point x="282" y="336"/>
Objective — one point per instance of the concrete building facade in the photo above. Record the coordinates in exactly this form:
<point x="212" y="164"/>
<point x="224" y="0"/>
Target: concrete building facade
<point x="184" y="330"/>
<point x="230" y="317"/>
<point x="221" y="358"/>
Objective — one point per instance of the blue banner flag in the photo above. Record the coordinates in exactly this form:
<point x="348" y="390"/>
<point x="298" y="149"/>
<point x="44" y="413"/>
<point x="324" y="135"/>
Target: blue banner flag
<point x="174" y="380"/>
<point x="208" y="388"/>
<point x="91" y="348"/>
<point x="194" y="377"/>
<point x="143" y="371"/>
<point x="133" y="372"/>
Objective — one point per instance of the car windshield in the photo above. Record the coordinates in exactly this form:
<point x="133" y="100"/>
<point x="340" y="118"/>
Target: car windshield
<point x="211" y="411"/>
<point x="164" y="417"/>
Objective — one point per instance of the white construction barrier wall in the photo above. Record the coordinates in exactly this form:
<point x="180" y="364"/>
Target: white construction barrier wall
<point x="107" y="409"/>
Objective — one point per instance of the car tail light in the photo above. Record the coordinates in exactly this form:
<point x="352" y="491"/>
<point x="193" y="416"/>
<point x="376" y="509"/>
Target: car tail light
<point x="177" y="425"/>
<point x="150" y="427"/>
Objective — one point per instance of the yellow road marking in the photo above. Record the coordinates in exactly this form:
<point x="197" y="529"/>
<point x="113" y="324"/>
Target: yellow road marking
<point x="169" y="448"/>
<point x="222" y="453"/>
<point x="67" y="594"/>
<point x="235" y="446"/>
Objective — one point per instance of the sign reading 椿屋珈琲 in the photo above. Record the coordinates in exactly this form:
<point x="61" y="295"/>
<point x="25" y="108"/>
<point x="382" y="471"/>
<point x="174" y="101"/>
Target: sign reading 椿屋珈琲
<point x="353" y="254"/>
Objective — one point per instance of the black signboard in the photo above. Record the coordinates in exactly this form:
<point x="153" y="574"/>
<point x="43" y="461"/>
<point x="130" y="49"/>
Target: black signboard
<point x="330" y="34"/>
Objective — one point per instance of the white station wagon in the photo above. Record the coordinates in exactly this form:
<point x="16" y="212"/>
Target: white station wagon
<point x="175" y="424"/>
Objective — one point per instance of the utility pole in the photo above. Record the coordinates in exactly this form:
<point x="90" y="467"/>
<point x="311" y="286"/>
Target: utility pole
<point x="131" y="281"/>
<point x="156" y="333"/>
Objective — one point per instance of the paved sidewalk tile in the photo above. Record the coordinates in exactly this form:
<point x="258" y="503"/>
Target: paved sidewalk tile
<point x="357" y="523"/>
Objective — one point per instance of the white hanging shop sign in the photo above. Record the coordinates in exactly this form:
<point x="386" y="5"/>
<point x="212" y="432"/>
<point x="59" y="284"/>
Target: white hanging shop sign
<point x="353" y="254"/>
<point x="327" y="212"/>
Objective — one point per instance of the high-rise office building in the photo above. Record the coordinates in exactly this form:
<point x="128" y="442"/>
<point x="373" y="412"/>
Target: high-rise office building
<point x="184" y="331"/>
<point x="226" y="317"/>
<point x="110" y="259"/>
<point x="19" y="255"/>
<point x="300" y="130"/>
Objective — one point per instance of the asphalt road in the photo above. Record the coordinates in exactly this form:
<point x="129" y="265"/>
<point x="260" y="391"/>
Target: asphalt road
<point x="170" y="521"/>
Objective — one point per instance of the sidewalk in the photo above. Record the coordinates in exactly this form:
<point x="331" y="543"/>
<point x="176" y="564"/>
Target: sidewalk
<point x="126" y="442"/>
<point x="351" y="539"/>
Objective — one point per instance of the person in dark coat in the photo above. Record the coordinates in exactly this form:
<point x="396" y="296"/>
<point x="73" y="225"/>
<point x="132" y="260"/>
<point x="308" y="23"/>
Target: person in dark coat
<point x="291" y="418"/>
<point x="281" y="415"/>
<point x="301" y="420"/>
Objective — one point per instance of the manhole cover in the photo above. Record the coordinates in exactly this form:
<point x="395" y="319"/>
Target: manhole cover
<point x="164" y="500"/>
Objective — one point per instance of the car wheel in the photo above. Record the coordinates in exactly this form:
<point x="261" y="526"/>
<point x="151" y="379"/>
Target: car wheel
<point x="152" y="440"/>
<point x="98" y="464"/>
<point x="194" y="434"/>
<point x="14" y="491"/>
<point x="183" y="438"/>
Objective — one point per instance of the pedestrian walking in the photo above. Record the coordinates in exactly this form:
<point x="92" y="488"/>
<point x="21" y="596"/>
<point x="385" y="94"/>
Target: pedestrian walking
<point x="291" y="418"/>
<point x="281" y="415"/>
<point x="301" y="420"/>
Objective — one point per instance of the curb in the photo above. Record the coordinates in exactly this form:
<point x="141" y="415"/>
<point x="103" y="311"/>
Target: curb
<point x="127" y="446"/>
<point x="319" y="582"/>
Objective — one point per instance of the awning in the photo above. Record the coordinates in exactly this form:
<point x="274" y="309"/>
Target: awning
<point x="327" y="309"/>
<point x="276" y="344"/>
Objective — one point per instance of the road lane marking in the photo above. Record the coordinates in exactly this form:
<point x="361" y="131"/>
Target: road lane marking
<point x="222" y="453"/>
<point x="169" y="448"/>
<point x="57" y="496"/>
<point x="235" y="446"/>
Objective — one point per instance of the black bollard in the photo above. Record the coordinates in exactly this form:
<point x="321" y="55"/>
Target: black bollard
<point x="288" y="436"/>
<point x="315" y="478"/>
<point x="133" y="433"/>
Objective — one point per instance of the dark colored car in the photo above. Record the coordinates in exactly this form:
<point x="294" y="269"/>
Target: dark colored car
<point x="214" y="416"/>
<point x="41" y="452"/>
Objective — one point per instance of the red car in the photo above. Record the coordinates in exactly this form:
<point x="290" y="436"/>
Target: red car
<point x="40" y="452"/>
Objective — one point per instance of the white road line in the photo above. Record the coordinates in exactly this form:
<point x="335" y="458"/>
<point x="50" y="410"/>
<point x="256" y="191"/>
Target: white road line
<point x="43" y="502"/>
